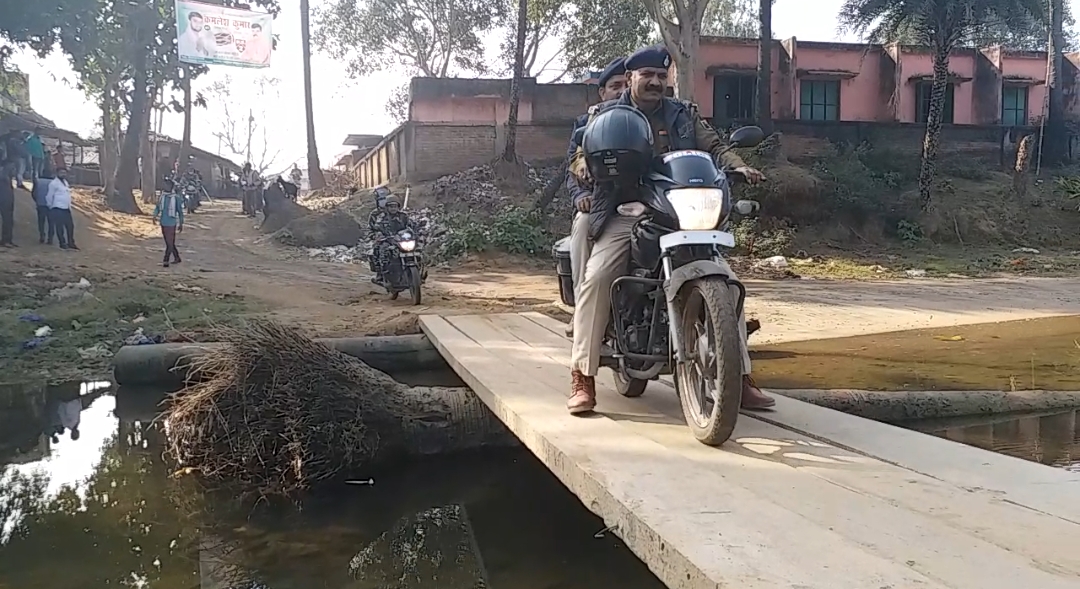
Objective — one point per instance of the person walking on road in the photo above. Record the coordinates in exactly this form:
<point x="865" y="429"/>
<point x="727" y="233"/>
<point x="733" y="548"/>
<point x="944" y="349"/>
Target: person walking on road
<point x="7" y="203"/>
<point x="58" y="198"/>
<point x="169" y="213"/>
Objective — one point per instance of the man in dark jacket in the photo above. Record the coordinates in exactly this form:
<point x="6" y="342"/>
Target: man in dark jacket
<point x="612" y="83"/>
<point x="7" y="203"/>
<point x="676" y="126"/>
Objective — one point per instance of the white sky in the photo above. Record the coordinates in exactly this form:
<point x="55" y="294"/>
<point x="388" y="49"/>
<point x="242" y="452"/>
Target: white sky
<point x="342" y="106"/>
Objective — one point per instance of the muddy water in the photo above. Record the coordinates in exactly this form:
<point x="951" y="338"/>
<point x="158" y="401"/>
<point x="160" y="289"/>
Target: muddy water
<point x="1049" y="438"/>
<point x="100" y="509"/>
<point x="1013" y="355"/>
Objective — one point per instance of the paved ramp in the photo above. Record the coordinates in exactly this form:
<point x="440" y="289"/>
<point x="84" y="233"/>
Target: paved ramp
<point x="801" y="498"/>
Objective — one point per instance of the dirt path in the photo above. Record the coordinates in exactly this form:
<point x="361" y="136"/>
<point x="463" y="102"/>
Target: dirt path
<point x="225" y="253"/>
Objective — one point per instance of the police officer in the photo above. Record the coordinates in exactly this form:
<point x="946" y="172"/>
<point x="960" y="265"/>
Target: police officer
<point x="676" y="125"/>
<point x="612" y="82"/>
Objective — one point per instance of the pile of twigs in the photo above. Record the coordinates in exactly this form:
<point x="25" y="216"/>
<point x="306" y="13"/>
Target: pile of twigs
<point x="275" y="412"/>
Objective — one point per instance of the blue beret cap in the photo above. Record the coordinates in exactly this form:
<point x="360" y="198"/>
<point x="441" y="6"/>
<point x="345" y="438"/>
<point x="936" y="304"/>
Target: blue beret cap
<point x="617" y="67"/>
<point x="656" y="56"/>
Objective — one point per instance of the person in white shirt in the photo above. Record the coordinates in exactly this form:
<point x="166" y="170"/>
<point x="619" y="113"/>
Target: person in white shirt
<point x="193" y="42"/>
<point x="58" y="199"/>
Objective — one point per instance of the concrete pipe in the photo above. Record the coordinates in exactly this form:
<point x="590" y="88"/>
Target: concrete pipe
<point x="410" y="359"/>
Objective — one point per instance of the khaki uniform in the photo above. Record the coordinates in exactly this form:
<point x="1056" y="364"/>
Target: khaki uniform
<point x="610" y="254"/>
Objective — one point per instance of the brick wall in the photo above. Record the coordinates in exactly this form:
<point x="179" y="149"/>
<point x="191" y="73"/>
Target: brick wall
<point x="445" y="149"/>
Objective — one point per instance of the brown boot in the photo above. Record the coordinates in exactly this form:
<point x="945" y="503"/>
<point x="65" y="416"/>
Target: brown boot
<point x="752" y="397"/>
<point x="582" y="393"/>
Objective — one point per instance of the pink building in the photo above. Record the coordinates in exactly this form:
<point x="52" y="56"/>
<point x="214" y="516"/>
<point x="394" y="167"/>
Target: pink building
<point x="815" y="81"/>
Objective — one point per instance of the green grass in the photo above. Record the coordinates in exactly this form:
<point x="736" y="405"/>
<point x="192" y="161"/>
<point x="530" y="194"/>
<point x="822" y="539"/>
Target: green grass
<point x="106" y="315"/>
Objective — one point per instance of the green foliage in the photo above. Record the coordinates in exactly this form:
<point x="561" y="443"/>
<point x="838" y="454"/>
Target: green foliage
<point x="434" y="38"/>
<point x="514" y="231"/>
<point x="752" y="239"/>
<point x="940" y="24"/>
<point x="601" y="30"/>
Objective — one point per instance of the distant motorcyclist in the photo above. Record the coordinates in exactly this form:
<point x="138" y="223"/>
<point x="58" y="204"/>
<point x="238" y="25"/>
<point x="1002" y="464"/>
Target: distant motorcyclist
<point x="380" y="195"/>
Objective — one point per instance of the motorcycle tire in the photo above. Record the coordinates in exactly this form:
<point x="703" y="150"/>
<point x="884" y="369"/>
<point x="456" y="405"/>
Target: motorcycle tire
<point x="629" y="387"/>
<point x="711" y="297"/>
<point x="414" y="284"/>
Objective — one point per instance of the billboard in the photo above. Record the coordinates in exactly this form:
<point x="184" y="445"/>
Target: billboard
<point x="207" y="34"/>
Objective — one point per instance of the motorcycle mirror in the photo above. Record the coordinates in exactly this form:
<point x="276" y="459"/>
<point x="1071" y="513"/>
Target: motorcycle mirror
<point x="746" y="137"/>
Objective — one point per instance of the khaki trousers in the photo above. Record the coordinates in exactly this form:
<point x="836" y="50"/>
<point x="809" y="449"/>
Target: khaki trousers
<point x="580" y="247"/>
<point x="592" y="311"/>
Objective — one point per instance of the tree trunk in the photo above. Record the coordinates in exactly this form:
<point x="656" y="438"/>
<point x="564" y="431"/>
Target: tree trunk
<point x="185" y="142"/>
<point x="928" y="169"/>
<point x="107" y="162"/>
<point x="764" y="81"/>
<point x="146" y="153"/>
<point x="510" y="150"/>
<point x="1055" y="145"/>
<point x="685" y="65"/>
<point x="127" y="169"/>
<point x="315" y="173"/>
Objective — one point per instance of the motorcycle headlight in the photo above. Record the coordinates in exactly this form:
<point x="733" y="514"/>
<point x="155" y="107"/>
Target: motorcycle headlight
<point x="407" y="245"/>
<point x="699" y="209"/>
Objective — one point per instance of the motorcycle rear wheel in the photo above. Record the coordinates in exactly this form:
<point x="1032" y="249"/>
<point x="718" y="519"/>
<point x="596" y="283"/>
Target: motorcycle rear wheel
<point x="414" y="284"/>
<point x="709" y="379"/>
<point x="627" y="386"/>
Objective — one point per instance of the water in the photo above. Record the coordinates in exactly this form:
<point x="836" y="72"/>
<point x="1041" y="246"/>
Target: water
<point x="1010" y="355"/>
<point x="103" y="510"/>
<point x="1048" y="438"/>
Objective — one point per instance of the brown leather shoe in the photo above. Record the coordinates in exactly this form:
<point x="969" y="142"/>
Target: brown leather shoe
<point x="752" y="397"/>
<point x="583" y="393"/>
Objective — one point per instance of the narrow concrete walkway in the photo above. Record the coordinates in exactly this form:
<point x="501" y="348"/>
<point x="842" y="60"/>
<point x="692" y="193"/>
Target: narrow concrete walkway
<point x="803" y="497"/>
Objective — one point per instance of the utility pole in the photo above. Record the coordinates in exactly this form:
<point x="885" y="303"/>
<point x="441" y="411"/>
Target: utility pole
<point x="251" y="125"/>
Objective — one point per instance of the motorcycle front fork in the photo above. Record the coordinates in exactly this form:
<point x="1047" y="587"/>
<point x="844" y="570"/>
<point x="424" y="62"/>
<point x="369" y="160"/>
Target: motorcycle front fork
<point x="674" y="318"/>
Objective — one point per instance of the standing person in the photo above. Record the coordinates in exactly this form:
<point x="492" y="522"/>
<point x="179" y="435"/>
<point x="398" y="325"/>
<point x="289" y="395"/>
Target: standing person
<point x="58" y="159"/>
<point x="169" y="213"/>
<point x="36" y="150"/>
<point x="7" y="203"/>
<point x="16" y="154"/>
<point x="249" y="180"/>
<point x="46" y="229"/>
<point x="58" y="198"/>
<point x="296" y="175"/>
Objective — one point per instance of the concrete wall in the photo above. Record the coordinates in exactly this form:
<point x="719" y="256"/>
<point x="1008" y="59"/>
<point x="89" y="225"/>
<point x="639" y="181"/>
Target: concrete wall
<point x="464" y="100"/>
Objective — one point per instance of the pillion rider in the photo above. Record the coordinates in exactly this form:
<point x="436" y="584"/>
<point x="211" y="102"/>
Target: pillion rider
<point x="676" y="125"/>
<point x="612" y="83"/>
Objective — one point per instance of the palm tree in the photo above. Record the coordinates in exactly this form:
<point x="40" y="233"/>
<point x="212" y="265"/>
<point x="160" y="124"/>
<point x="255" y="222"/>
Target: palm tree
<point x="942" y="25"/>
<point x="315" y="174"/>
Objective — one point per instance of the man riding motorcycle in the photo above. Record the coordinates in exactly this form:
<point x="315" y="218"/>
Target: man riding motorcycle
<point x="385" y="222"/>
<point x="676" y="125"/>
<point x="612" y="83"/>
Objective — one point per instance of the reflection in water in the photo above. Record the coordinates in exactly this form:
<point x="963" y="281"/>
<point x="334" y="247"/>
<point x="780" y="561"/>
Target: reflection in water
<point x="1050" y="438"/>
<point x="107" y="503"/>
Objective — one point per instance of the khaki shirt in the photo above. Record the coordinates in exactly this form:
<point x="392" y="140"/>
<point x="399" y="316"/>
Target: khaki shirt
<point x="707" y="140"/>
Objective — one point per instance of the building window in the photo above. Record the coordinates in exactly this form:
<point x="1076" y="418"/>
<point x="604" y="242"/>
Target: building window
<point x="733" y="98"/>
<point x="922" y="102"/>
<point x="819" y="100"/>
<point x="1014" y="106"/>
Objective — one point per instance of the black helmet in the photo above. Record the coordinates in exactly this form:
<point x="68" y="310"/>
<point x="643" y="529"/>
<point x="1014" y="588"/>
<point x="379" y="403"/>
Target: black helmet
<point x="618" y="144"/>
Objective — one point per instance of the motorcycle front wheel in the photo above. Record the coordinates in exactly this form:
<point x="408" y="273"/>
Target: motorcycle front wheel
<point x="709" y="379"/>
<point x="414" y="284"/>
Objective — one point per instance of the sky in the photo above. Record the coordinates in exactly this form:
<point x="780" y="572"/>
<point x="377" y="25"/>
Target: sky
<point x="342" y="106"/>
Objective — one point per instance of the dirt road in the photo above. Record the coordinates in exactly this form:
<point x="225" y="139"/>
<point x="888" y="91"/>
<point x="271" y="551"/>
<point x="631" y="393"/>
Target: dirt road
<point x="225" y="253"/>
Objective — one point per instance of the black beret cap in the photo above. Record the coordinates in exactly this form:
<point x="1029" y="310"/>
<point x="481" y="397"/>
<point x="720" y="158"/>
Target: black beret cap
<point x="617" y="67"/>
<point x="656" y="56"/>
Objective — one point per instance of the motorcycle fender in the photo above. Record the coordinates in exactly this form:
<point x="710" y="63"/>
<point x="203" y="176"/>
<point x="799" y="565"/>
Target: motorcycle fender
<point x="693" y="271"/>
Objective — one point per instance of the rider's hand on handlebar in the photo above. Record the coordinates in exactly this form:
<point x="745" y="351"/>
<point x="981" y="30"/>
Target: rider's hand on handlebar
<point x="752" y="175"/>
<point x="584" y="204"/>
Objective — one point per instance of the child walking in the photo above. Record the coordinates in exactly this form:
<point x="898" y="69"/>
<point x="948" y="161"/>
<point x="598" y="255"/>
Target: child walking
<point x="170" y="213"/>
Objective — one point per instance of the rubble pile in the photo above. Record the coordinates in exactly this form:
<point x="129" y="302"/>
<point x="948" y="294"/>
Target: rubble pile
<point x="477" y="190"/>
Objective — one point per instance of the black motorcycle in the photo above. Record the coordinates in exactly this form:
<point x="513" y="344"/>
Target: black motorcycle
<point x="193" y="193"/>
<point x="676" y="310"/>
<point x="403" y="268"/>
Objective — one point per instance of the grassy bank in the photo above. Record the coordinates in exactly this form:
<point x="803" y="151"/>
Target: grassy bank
<point x="87" y="323"/>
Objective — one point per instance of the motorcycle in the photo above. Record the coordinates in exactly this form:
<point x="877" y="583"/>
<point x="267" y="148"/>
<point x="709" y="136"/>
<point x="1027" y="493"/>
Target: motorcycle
<point x="676" y="309"/>
<point x="404" y="270"/>
<point x="192" y="196"/>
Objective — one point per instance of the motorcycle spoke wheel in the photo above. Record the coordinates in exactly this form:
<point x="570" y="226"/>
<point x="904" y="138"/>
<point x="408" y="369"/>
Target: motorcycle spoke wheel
<point x="710" y="377"/>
